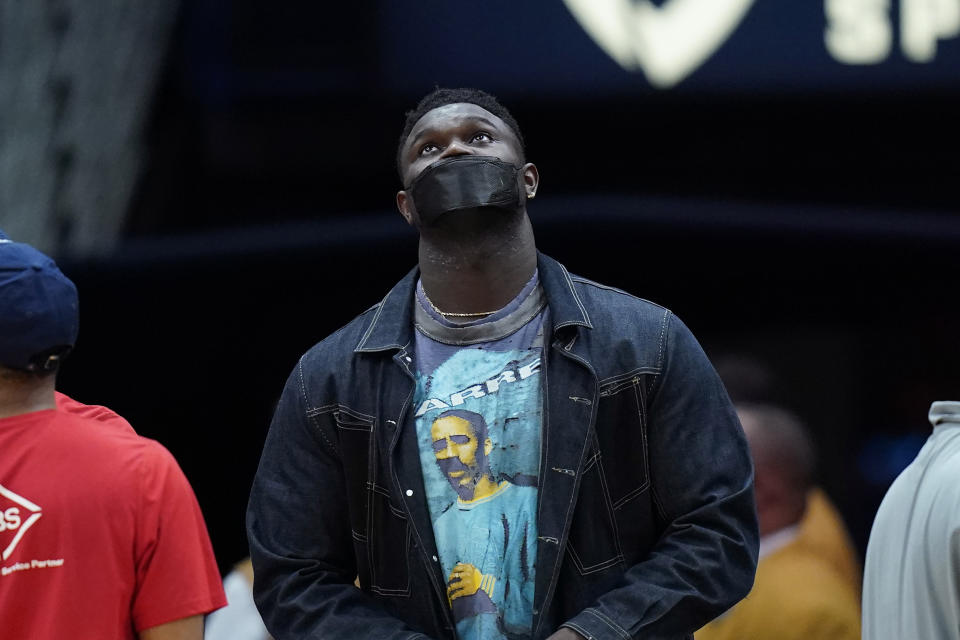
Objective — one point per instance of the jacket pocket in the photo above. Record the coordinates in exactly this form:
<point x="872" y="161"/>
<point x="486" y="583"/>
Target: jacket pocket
<point x="380" y="532"/>
<point x="621" y="430"/>
<point x="354" y="432"/>
<point x="593" y="544"/>
<point x="613" y="523"/>
<point x="388" y="546"/>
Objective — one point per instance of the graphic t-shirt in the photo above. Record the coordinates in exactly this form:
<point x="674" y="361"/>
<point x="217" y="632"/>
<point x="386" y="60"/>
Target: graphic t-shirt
<point x="479" y="405"/>
<point x="100" y="533"/>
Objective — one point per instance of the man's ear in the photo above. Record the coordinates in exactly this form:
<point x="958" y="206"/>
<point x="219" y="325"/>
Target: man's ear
<point x="487" y="446"/>
<point x="405" y="205"/>
<point x="531" y="179"/>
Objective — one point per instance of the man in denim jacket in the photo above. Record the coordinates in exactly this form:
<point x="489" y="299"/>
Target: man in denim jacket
<point x="601" y="406"/>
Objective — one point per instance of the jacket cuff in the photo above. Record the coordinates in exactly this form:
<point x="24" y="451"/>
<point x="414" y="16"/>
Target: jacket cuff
<point x="593" y="625"/>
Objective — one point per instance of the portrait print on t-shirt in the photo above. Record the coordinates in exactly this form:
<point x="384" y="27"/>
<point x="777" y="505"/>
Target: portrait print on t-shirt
<point x="478" y="423"/>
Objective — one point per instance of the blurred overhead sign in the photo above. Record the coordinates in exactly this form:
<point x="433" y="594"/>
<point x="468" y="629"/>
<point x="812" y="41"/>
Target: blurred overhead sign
<point x="862" y="31"/>
<point x="639" y="45"/>
<point x="578" y="47"/>
<point x="667" y="42"/>
<point x="670" y="41"/>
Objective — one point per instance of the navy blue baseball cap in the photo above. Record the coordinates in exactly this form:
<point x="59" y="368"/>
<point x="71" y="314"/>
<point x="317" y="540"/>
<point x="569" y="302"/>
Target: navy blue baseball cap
<point x="38" y="309"/>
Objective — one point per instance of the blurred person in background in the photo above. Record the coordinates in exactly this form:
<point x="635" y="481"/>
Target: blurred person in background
<point x="100" y="533"/>
<point x="239" y="620"/>
<point x="807" y="583"/>
<point x="911" y="579"/>
<point x="625" y="482"/>
<point x="751" y="381"/>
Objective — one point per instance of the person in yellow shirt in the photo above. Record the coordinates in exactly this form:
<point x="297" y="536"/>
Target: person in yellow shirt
<point x="822" y="530"/>
<point x="808" y="578"/>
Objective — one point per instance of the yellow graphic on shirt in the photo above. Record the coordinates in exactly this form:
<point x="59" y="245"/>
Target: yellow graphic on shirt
<point x="466" y="580"/>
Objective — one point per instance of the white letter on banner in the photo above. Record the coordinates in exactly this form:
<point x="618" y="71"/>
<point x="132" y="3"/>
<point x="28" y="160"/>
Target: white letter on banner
<point x="858" y="31"/>
<point x="923" y="22"/>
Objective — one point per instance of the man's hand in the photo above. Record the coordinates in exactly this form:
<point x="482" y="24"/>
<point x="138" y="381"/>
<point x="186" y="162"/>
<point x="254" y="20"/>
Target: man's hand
<point x="464" y="580"/>
<point x="564" y="633"/>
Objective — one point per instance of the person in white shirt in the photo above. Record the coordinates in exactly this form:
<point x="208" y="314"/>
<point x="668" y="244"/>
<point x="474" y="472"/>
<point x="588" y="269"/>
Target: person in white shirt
<point x="911" y="583"/>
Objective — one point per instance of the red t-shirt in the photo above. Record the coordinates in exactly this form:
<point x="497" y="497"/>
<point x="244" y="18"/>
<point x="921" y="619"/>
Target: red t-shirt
<point x="101" y="535"/>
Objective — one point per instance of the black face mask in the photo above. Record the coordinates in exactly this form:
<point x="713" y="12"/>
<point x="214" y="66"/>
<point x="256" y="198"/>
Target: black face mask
<point x="466" y="182"/>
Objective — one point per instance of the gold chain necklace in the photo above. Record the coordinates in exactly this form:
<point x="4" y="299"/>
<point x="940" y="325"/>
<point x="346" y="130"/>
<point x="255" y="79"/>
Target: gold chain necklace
<point x="451" y="313"/>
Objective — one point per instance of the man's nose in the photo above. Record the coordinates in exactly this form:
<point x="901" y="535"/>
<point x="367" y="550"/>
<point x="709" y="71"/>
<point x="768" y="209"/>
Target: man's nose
<point x="456" y="148"/>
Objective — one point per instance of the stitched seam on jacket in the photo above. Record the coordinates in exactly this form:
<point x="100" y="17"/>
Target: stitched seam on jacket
<point x="662" y="339"/>
<point x="610" y="509"/>
<point x="303" y="386"/>
<point x="576" y="296"/>
<point x="610" y="623"/>
<point x="373" y="323"/>
<point x="624" y="378"/>
<point x="593" y="283"/>
<point x="573" y="625"/>
<point x="594" y="568"/>
<point x="630" y="496"/>
<point x="319" y="429"/>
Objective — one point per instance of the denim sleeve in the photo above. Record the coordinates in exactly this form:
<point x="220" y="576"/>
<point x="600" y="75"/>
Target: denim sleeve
<point x="299" y="534"/>
<point x="702" y="483"/>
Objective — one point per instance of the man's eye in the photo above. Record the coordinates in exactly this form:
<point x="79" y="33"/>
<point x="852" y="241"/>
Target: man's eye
<point x="439" y="445"/>
<point x="427" y="148"/>
<point x="481" y="136"/>
<point x="459" y="439"/>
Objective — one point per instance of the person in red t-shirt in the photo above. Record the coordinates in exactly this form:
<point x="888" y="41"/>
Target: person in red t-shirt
<point x="101" y="535"/>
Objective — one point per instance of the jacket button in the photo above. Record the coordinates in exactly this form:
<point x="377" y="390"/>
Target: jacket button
<point x="435" y="559"/>
<point x="409" y="492"/>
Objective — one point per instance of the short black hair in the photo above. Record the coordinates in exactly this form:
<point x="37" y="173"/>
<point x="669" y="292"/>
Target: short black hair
<point x="440" y="97"/>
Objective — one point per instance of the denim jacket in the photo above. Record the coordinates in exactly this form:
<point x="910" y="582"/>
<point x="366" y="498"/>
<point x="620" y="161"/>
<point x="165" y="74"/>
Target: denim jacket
<point x="646" y="518"/>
